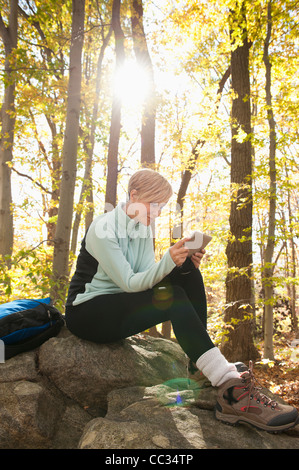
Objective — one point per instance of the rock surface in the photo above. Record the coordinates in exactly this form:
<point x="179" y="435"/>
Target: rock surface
<point x="87" y="372"/>
<point x="154" y="418"/>
<point x="134" y="394"/>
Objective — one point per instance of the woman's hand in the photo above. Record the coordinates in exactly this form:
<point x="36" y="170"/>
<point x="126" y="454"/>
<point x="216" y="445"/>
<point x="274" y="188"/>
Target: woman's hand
<point x="197" y="257"/>
<point x="178" y="252"/>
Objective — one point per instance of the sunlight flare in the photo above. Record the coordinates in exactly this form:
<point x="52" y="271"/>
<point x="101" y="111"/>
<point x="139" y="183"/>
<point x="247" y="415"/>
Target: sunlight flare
<point x="131" y="83"/>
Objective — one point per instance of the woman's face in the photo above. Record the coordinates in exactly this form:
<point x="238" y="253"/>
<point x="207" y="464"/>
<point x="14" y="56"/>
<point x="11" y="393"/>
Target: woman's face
<point x="142" y="211"/>
<point x="153" y="210"/>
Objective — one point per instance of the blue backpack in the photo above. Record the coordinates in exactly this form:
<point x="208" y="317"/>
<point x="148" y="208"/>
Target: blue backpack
<point x="26" y="324"/>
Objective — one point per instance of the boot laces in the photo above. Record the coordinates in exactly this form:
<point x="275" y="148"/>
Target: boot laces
<point x="254" y="390"/>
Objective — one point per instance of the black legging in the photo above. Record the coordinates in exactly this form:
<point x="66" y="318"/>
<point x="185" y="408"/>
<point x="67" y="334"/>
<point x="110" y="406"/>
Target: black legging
<point x="179" y="298"/>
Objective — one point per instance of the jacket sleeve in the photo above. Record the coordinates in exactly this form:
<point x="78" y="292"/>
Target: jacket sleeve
<point x="108" y="253"/>
<point x="148" y="258"/>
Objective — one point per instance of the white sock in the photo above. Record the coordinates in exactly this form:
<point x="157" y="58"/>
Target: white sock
<point x="216" y="368"/>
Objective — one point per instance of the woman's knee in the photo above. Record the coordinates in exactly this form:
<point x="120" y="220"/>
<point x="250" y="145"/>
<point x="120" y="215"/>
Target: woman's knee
<point x="169" y="292"/>
<point x="179" y="293"/>
<point x="169" y="298"/>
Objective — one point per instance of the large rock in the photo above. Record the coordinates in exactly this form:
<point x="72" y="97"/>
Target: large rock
<point x="87" y="372"/>
<point x="47" y="396"/>
<point x="133" y="394"/>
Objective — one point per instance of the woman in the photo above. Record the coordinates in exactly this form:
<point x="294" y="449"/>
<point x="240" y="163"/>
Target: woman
<point x="118" y="290"/>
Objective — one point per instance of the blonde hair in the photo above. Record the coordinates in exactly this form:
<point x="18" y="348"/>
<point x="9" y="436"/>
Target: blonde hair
<point x="150" y="186"/>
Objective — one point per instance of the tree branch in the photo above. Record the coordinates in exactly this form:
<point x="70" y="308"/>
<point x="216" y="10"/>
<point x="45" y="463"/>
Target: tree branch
<point x="3" y="31"/>
<point x="31" y="179"/>
<point x="195" y="150"/>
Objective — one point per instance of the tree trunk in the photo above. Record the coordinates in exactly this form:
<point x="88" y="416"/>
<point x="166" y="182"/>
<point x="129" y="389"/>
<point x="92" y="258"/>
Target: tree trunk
<point x="86" y="190"/>
<point x="9" y="36"/>
<point x="149" y="105"/>
<point x="55" y="170"/>
<point x="112" y="159"/>
<point x="269" y="267"/>
<point x="292" y="288"/>
<point x="238" y="344"/>
<point x="69" y="157"/>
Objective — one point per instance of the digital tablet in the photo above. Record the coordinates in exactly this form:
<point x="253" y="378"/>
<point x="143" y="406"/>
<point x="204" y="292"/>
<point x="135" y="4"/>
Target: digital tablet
<point x="198" y="242"/>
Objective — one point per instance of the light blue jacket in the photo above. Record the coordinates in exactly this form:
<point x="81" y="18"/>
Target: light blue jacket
<point x="122" y="256"/>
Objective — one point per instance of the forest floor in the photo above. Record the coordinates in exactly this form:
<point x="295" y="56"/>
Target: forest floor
<point x="281" y="376"/>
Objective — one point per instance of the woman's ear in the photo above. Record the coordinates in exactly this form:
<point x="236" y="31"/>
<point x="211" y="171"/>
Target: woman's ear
<point x="133" y="195"/>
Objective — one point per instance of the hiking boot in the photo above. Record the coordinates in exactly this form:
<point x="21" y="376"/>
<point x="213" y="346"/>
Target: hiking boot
<point x="241" y="400"/>
<point x="241" y="367"/>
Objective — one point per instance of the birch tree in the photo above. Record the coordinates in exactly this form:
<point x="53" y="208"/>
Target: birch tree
<point x="268" y="261"/>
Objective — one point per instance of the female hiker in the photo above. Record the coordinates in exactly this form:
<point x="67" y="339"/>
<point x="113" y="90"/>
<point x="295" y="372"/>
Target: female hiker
<point x="118" y="290"/>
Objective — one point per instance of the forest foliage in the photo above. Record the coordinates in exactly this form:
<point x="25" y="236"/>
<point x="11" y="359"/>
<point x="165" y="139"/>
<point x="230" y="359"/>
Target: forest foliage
<point x="155" y="85"/>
